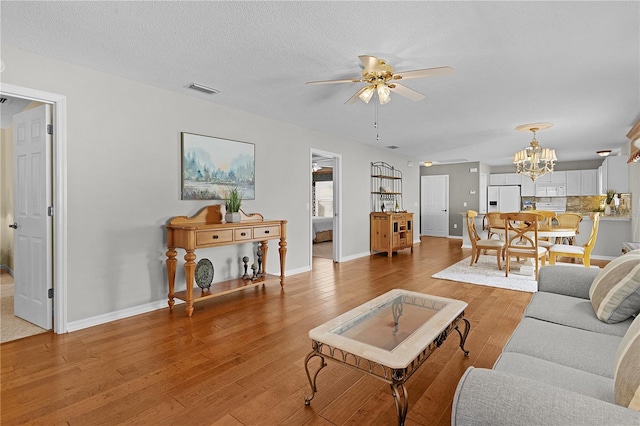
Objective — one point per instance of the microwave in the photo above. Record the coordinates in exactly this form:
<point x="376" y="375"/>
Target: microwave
<point x="551" y="190"/>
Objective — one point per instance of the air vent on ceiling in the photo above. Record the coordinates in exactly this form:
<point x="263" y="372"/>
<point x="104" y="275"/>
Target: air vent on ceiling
<point x="393" y="147"/>
<point x="5" y="101"/>
<point x="203" y="89"/>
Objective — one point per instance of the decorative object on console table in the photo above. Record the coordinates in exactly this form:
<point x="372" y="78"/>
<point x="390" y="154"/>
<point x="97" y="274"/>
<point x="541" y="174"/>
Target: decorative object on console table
<point x="206" y="230"/>
<point x="260" y="270"/>
<point x="245" y="260"/>
<point x="204" y="274"/>
<point x="232" y="205"/>
<point x="204" y="155"/>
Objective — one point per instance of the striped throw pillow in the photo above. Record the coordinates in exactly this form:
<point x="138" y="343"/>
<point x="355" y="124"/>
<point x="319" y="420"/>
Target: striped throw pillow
<point x="627" y="372"/>
<point x="615" y="292"/>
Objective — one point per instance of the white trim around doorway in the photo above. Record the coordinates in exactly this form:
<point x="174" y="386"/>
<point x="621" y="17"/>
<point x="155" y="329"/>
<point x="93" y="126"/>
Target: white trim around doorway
<point x="59" y="151"/>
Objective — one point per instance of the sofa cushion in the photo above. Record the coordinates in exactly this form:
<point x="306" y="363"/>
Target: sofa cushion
<point x="615" y="292"/>
<point x="572" y="347"/>
<point x="572" y="312"/>
<point x="627" y="368"/>
<point x="568" y="378"/>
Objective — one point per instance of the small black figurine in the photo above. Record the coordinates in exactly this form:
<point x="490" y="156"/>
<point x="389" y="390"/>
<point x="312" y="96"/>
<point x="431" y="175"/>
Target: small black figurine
<point x="245" y="276"/>
<point x="260" y="271"/>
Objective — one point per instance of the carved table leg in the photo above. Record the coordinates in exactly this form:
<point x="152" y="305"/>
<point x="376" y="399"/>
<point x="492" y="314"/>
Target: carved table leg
<point x="171" y="273"/>
<point x="312" y="381"/>
<point x="263" y="248"/>
<point x="189" y="272"/>
<point x="463" y="336"/>
<point x="401" y="397"/>
<point x="283" y="255"/>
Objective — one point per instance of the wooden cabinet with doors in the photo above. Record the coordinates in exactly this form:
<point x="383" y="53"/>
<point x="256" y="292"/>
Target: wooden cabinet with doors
<point x="391" y="232"/>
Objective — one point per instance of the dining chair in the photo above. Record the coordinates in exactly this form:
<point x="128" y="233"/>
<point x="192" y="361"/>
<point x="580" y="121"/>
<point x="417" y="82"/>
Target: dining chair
<point x="493" y="221"/>
<point x="584" y="252"/>
<point x="546" y="218"/>
<point x="478" y="243"/>
<point x="521" y="230"/>
<point x="570" y="220"/>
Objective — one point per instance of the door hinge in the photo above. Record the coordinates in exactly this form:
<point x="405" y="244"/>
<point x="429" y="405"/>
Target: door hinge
<point x="50" y="211"/>
<point x="49" y="129"/>
<point x="50" y="293"/>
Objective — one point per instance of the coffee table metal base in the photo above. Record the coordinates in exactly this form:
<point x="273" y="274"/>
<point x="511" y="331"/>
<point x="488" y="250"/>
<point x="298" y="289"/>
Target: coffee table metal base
<point x="394" y="377"/>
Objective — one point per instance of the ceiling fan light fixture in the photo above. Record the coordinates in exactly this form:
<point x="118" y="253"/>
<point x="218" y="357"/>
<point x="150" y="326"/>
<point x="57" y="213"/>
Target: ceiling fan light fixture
<point x="366" y="95"/>
<point x="384" y="94"/>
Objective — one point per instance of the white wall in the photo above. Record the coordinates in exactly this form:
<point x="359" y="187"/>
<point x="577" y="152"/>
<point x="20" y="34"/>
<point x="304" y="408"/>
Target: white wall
<point x="124" y="181"/>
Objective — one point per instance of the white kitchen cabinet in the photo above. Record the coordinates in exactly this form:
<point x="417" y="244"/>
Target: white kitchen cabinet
<point x="498" y="179"/>
<point x="544" y="179"/>
<point x="514" y="179"/>
<point x="558" y="177"/>
<point x="582" y="182"/>
<point x="574" y="182"/>
<point x="528" y="188"/>
<point x="615" y="172"/>
<point x="505" y="179"/>
<point x="589" y="182"/>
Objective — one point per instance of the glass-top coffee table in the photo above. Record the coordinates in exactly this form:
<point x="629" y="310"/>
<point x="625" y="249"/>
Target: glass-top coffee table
<point x="388" y="337"/>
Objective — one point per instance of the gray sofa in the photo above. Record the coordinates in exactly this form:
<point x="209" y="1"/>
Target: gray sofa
<point x="557" y="368"/>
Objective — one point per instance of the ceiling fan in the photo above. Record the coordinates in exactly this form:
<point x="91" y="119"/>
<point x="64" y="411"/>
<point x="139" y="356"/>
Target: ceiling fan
<point x="380" y="78"/>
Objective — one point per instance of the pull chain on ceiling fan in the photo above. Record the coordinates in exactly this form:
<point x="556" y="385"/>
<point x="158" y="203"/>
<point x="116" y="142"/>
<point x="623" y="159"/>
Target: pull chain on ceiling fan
<point x="381" y="80"/>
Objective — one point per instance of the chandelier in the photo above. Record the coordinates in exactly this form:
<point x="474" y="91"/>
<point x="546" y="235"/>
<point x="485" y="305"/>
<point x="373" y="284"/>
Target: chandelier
<point x="534" y="161"/>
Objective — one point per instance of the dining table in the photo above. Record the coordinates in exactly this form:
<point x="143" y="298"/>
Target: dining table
<point x="554" y="232"/>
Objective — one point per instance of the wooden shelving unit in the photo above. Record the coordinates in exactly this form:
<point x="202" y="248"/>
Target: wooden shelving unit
<point x="391" y="226"/>
<point x="386" y="188"/>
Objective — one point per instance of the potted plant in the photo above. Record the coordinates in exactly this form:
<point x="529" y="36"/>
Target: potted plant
<point x="607" y="205"/>
<point x="232" y="205"/>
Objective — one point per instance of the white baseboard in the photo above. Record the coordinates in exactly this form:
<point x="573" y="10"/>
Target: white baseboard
<point x="142" y="309"/>
<point x="117" y="315"/>
<point x="355" y="256"/>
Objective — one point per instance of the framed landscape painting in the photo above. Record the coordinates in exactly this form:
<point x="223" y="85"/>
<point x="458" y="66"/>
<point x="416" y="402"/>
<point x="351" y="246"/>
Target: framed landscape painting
<point x="211" y="167"/>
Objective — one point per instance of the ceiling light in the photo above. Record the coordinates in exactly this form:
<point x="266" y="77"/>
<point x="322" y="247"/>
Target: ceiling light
<point x="366" y="95"/>
<point x="604" y="152"/>
<point x="383" y="94"/>
<point x="428" y="163"/>
<point x="203" y="89"/>
<point x="534" y="161"/>
<point x="315" y="167"/>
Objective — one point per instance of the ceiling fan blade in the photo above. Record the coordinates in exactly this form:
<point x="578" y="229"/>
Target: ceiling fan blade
<point x="370" y="63"/>
<point x="351" y="80"/>
<point x="428" y="72"/>
<point x="406" y="92"/>
<point x="355" y="98"/>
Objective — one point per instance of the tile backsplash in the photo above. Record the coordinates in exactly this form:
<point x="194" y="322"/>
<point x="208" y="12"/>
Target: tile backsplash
<point x="588" y="204"/>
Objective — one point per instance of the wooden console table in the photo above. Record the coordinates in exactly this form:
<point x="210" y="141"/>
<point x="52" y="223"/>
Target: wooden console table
<point x="205" y="230"/>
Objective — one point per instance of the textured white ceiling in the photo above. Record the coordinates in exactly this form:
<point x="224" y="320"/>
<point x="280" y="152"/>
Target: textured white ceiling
<point x="575" y="64"/>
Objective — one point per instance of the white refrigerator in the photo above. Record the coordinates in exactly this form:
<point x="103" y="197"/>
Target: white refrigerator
<point x="503" y="198"/>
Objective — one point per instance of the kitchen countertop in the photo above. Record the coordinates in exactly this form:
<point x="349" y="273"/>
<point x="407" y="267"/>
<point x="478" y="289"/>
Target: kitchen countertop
<point x="609" y="218"/>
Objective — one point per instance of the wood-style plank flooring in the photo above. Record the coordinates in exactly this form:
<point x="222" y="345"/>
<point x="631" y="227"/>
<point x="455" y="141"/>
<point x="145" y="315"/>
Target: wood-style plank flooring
<point x="239" y="360"/>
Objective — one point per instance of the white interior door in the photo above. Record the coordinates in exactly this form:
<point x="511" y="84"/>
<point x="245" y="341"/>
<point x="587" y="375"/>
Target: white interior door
<point x="32" y="233"/>
<point x="434" y="205"/>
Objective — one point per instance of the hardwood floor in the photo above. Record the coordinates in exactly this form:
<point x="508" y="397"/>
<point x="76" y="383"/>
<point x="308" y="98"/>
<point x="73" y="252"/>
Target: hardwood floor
<point x="239" y="360"/>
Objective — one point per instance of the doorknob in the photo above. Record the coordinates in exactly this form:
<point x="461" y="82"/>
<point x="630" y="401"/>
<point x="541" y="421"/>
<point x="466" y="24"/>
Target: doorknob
<point x="14" y="226"/>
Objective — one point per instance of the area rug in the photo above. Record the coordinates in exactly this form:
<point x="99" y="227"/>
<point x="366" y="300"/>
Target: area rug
<point x="486" y="272"/>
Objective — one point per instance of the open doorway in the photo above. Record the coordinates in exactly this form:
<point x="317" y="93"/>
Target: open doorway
<point x="56" y="180"/>
<point x="325" y="205"/>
